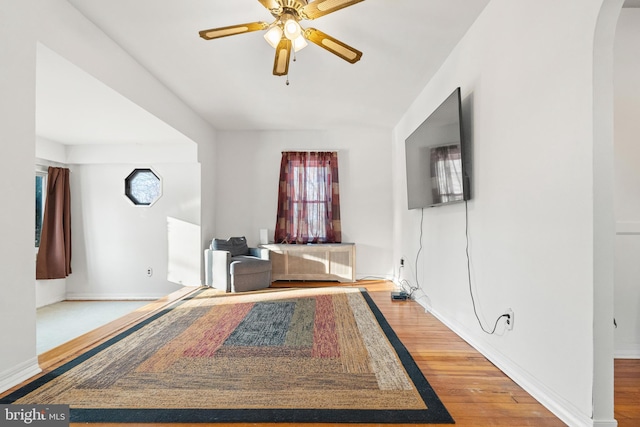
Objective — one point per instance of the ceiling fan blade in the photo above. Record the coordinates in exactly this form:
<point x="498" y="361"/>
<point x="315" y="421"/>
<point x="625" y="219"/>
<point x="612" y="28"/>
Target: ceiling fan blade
<point x="333" y="45"/>
<point x="283" y="54"/>
<point x="232" y="30"/>
<point x="320" y="8"/>
<point x="271" y="4"/>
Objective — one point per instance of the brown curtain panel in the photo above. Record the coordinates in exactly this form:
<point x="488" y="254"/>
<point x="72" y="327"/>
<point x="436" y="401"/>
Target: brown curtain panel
<point x="54" y="255"/>
<point x="308" y="198"/>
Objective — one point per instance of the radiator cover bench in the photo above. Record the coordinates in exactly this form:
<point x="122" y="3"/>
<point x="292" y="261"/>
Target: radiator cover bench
<point x="319" y="262"/>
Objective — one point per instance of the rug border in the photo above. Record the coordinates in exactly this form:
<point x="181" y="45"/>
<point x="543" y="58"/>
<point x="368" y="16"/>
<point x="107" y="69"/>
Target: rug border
<point x="435" y="414"/>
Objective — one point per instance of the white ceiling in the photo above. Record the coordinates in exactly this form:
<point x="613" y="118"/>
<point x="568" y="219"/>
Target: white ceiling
<point x="229" y="81"/>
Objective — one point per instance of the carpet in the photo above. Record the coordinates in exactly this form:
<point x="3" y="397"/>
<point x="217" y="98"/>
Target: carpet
<point x="297" y="355"/>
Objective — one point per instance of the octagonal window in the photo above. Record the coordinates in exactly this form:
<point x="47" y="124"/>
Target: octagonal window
<point x="143" y="187"/>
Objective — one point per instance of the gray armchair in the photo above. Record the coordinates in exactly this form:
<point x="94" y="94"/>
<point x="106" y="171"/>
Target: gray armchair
<point x="230" y="265"/>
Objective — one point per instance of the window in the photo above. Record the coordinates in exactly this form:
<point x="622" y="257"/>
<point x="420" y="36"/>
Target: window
<point x="142" y="187"/>
<point x="308" y="200"/>
<point x="41" y="191"/>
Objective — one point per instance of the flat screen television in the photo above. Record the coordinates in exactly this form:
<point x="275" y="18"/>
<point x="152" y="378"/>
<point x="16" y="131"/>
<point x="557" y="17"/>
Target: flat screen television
<point x="437" y="161"/>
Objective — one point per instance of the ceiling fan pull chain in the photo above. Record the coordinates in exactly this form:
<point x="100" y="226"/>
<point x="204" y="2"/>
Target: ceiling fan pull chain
<point x="294" y="60"/>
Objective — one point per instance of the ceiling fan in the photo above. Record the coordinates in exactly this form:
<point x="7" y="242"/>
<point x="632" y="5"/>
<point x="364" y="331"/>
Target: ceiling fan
<point x="285" y="33"/>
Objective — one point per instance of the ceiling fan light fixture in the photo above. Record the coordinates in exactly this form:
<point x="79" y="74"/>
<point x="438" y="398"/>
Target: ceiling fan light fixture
<point x="286" y="35"/>
<point x="299" y="43"/>
<point x="292" y="29"/>
<point x="273" y="36"/>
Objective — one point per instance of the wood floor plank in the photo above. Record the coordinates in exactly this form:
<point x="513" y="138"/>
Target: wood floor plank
<point x="627" y="392"/>
<point x="476" y="393"/>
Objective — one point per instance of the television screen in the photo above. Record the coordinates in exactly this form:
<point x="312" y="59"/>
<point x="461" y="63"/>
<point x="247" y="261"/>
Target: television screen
<point x="435" y="158"/>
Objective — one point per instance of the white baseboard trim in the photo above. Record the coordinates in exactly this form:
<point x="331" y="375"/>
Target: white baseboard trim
<point x="555" y="403"/>
<point x="374" y="277"/>
<point x="605" y="423"/>
<point x="114" y="297"/>
<point x="627" y="228"/>
<point x="19" y="373"/>
<point x="629" y="351"/>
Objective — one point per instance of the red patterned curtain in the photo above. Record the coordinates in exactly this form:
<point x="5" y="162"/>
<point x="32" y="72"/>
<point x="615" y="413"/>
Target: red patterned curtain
<point x="308" y="198"/>
<point x="54" y="256"/>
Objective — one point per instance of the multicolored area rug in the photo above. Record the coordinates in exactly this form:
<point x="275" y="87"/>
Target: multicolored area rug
<point x="297" y="355"/>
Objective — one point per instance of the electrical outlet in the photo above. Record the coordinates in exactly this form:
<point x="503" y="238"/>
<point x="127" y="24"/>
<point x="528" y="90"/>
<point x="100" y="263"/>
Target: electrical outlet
<point x="149" y="272"/>
<point x="510" y="319"/>
<point x="401" y="262"/>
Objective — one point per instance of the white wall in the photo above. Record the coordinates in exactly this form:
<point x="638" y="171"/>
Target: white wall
<point x="627" y="183"/>
<point x="69" y="34"/>
<point x="17" y="142"/>
<point x="206" y="156"/>
<point x="61" y="28"/>
<point x="51" y="151"/>
<point x="108" y="231"/>
<point x="527" y="90"/>
<point x="115" y="242"/>
<point x="247" y="193"/>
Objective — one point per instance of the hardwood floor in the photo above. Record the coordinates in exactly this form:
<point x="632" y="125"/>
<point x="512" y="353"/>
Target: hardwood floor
<point x="476" y="393"/>
<point x="627" y="392"/>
